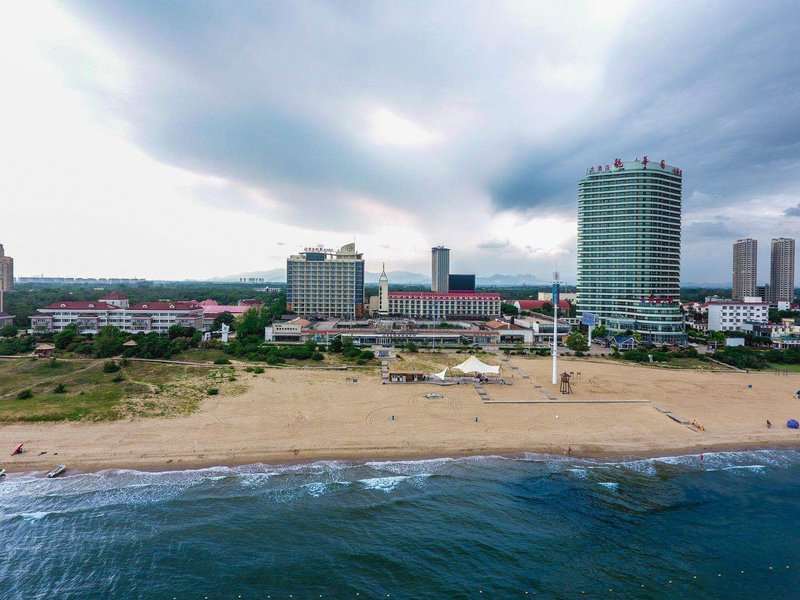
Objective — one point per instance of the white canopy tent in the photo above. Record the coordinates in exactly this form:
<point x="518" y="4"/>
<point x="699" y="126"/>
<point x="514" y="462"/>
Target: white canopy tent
<point x="440" y="375"/>
<point x="474" y="365"/>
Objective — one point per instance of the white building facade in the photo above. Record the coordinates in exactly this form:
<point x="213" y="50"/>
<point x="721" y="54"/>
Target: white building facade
<point x="731" y="315"/>
<point x="324" y="282"/>
<point x="440" y="306"/>
<point x="92" y="316"/>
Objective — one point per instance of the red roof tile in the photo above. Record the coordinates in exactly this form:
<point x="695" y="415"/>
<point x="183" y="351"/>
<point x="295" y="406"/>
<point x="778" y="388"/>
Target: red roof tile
<point x="177" y="305"/>
<point x="113" y="296"/>
<point x="445" y="295"/>
<point x="69" y="305"/>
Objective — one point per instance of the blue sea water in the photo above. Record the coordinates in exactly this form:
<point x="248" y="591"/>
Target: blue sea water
<point x="727" y="526"/>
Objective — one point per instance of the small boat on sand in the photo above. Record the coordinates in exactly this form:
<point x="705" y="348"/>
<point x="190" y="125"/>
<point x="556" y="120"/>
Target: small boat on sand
<point x="2" y="472"/>
<point x="18" y="449"/>
<point x="57" y="471"/>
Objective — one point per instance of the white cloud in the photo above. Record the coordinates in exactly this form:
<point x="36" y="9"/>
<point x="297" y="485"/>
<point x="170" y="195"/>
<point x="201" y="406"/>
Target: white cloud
<point x="387" y="128"/>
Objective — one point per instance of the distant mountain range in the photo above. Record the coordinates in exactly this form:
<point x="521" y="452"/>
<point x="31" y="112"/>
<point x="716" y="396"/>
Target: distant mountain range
<point x="398" y="277"/>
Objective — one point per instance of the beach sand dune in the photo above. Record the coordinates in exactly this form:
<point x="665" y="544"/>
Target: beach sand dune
<point x="296" y="414"/>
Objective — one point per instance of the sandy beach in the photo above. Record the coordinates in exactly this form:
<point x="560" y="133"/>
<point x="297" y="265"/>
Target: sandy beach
<point x="290" y="415"/>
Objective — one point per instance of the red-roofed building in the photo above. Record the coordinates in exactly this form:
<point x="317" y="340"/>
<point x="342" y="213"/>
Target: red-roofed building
<point x="92" y="316"/>
<point x="115" y="299"/>
<point x="538" y="304"/>
<point x="447" y="305"/>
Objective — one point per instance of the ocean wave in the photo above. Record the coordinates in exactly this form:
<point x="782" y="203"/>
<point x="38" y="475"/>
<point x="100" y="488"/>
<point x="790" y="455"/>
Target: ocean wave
<point x="611" y="485"/>
<point x="388" y="484"/>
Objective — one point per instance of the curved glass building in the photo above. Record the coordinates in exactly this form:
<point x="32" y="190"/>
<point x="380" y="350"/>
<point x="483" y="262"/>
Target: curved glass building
<point x="629" y="248"/>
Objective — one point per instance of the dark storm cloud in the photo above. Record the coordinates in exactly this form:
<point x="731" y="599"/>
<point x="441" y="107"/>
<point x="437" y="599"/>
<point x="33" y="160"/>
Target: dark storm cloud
<point x="272" y="96"/>
<point x="794" y="211"/>
<point x="711" y="87"/>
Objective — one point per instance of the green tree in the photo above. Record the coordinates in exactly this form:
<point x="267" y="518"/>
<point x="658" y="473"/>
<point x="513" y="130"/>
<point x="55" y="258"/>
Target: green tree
<point x="577" y="342"/>
<point x="226" y="318"/>
<point x="250" y="326"/>
<point x="336" y="345"/>
<point x="66" y="336"/>
<point x="108" y="342"/>
<point x="547" y="308"/>
<point x="507" y="308"/>
<point x="9" y="331"/>
<point x="599" y="331"/>
<point x="179" y="331"/>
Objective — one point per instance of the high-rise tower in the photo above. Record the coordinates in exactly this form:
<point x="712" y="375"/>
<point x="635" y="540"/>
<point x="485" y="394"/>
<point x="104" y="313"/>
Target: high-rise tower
<point x="781" y="280"/>
<point x="629" y="248"/>
<point x="6" y="271"/>
<point x="745" y="268"/>
<point x="440" y="269"/>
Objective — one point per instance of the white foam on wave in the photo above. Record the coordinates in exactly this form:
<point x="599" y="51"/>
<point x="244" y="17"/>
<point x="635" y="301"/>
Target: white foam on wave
<point x="611" y="485"/>
<point x="579" y="472"/>
<point x="34" y="516"/>
<point x="387" y="484"/>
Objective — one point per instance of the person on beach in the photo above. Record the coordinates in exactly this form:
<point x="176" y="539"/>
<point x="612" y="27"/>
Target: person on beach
<point x="769" y="425"/>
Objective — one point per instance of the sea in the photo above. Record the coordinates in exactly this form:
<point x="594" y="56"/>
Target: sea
<point x="718" y="525"/>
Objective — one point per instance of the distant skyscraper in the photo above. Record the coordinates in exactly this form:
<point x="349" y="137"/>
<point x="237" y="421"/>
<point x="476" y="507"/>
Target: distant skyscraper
<point x="6" y="271"/>
<point x="781" y="280"/>
<point x="629" y="248"/>
<point x="440" y="269"/>
<point x="745" y="267"/>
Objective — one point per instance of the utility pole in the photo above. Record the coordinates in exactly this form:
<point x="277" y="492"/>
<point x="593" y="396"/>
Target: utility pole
<point x="555" y="299"/>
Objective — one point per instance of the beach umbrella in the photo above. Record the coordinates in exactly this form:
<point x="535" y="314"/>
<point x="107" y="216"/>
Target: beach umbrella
<point x="792" y="424"/>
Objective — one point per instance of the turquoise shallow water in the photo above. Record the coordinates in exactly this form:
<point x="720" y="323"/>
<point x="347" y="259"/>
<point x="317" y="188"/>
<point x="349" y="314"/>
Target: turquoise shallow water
<point x="482" y="527"/>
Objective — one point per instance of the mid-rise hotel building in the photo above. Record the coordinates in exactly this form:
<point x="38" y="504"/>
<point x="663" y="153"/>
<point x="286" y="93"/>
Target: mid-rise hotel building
<point x="745" y="268"/>
<point x="629" y="248"/>
<point x="324" y="282"/>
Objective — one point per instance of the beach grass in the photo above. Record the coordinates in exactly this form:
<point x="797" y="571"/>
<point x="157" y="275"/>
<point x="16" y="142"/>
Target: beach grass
<point x="204" y="355"/>
<point x="140" y="389"/>
<point x="784" y="367"/>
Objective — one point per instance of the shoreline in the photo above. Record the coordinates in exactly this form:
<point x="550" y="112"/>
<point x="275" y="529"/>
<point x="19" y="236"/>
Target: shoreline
<point x="292" y="416"/>
<point x="288" y="460"/>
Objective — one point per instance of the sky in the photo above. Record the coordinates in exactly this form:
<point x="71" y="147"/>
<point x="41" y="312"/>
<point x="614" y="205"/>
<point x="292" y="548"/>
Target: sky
<point x="177" y="140"/>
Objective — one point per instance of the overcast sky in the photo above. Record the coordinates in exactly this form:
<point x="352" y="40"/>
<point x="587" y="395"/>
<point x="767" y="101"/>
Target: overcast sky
<point x="197" y="139"/>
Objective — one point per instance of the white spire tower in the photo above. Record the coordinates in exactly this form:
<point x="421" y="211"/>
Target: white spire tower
<point x="383" y="293"/>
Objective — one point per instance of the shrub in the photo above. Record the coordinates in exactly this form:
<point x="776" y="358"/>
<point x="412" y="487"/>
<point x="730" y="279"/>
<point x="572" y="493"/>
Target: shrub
<point x="118" y="379"/>
<point x="248" y="369"/>
<point x="60" y="389"/>
<point x="367" y="355"/>
<point x="258" y="370"/>
<point x="25" y="394"/>
<point x="231" y="378"/>
<point x="222" y="361"/>
<point x="110" y="366"/>
<point x="317" y="356"/>
<point x="212" y="391"/>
